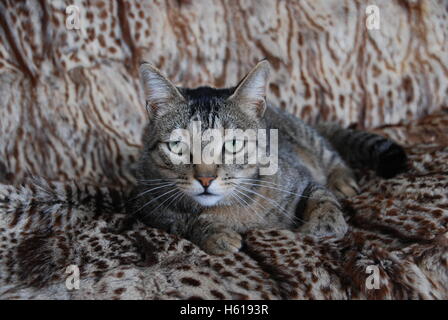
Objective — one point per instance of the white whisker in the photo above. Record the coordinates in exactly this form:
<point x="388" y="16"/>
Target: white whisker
<point x="150" y="190"/>
<point x="172" y="197"/>
<point x="273" y="202"/>
<point x="149" y="202"/>
<point x="275" y="188"/>
<point x="247" y="204"/>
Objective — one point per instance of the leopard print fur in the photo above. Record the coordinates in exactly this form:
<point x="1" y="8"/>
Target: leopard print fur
<point x="399" y="225"/>
<point x="71" y="112"/>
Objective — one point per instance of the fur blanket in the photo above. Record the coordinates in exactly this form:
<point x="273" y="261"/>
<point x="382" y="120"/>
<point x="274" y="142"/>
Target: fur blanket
<point x="71" y="116"/>
<point x="398" y="232"/>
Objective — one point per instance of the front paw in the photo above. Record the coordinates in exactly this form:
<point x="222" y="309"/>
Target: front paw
<point x="342" y="183"/>
<point x="325" y="221"/>
<point x="223" y="242"/>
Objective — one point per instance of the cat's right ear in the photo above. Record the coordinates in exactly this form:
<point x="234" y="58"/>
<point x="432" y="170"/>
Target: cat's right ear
<point x="161" y="94"/>
<point x="250" y="94"/>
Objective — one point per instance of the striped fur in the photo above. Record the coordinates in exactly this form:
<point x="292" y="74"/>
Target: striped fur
<point x="364" y="149"/>
<point x="240" y="198"/>
<point x="398" y="225"/>
<point x="71" y="108"/>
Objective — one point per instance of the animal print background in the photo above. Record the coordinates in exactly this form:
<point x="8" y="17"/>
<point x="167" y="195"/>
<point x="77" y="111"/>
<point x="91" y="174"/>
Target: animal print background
<point x="71" y="114"/>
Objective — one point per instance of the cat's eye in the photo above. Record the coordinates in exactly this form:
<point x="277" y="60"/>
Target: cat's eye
<point x="177" y="147"/>
<point x="234" y="146"/>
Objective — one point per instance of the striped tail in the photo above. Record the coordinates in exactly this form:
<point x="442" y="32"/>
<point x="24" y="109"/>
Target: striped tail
<point x="364" y="149"/>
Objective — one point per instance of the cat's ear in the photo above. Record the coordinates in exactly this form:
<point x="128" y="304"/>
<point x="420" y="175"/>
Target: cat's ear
<point x="160" y="93"/>
<point x="250" y="94"/>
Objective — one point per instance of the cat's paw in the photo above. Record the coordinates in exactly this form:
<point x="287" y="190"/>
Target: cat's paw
<point x="325" y="221"/>
<point x="224" y="242"/>
<point x="342" y="183"/>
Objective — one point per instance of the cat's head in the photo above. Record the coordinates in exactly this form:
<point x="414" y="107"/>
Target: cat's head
<point x="171" y="108"/>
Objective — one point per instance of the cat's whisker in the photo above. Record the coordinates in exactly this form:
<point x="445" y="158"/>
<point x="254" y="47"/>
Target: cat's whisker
<point x="257" y="180"/>
<point x="291" y="219"/>
<point x="241" y="204"/>
<point x="145" y="192"/>
<point x="265" y="209"/>
<point x="247" y="204"/>
<point x="172" y="197"/>
<point x="244" y="204"/>
<point x="150" y="190"/>
<point x="179" y="196"/>
<point x="266" y="186"/>
<point x="158" y="197"/>
<point x="268" y="183"/>
<point x="272" y="201"/>
<point x="155" y="183"/>
<point x="280" y="189"/>
<point x="247" y="180"/>
<point x="158" y="179"/>
<point x="176" y="197"/>
<point x="233" y="196"/>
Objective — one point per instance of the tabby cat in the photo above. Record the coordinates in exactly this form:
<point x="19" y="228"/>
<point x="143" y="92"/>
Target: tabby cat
<point x="214" y="204"/>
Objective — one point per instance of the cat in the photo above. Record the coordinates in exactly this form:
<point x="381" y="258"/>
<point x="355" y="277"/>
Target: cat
<point x="212" y="205"/>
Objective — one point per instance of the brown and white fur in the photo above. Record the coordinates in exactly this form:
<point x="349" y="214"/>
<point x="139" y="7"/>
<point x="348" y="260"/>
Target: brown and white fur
<point x="213" y="204"/>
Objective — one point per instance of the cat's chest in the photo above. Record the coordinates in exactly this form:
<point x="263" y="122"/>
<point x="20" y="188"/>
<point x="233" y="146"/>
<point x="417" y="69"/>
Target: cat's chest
<point x="241" y="217"/>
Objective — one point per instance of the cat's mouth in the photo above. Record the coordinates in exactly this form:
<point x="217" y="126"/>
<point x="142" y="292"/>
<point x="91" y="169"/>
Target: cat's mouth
<point x="207" y="199"/>
<point x="206" y="193"/>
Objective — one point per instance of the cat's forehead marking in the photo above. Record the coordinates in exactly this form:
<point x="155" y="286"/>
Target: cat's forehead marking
<point x="207" y="104"/>
<point x="210" y="121"/>
<point x="214" y="121"/>
<point x="196" y="117"/>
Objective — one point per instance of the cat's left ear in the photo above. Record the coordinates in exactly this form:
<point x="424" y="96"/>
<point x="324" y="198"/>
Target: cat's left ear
<point x="161" y="94"/>
<point x="250" y="94"/>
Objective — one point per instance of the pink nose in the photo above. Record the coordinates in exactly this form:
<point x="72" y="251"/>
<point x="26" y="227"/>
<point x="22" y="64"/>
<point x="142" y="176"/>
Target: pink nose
<point x="205" y="181"/>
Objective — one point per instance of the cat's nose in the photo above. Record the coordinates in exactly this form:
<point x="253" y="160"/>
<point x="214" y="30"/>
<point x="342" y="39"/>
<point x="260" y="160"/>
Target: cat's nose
<point x="205" y="181"/>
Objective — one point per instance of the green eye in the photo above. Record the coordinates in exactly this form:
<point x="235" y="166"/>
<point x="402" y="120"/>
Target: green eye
<point x="234" y="146"/>
<point x="177" y="147"/>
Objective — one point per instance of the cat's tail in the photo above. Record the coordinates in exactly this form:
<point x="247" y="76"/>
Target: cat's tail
<point x="364" y="149"/>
